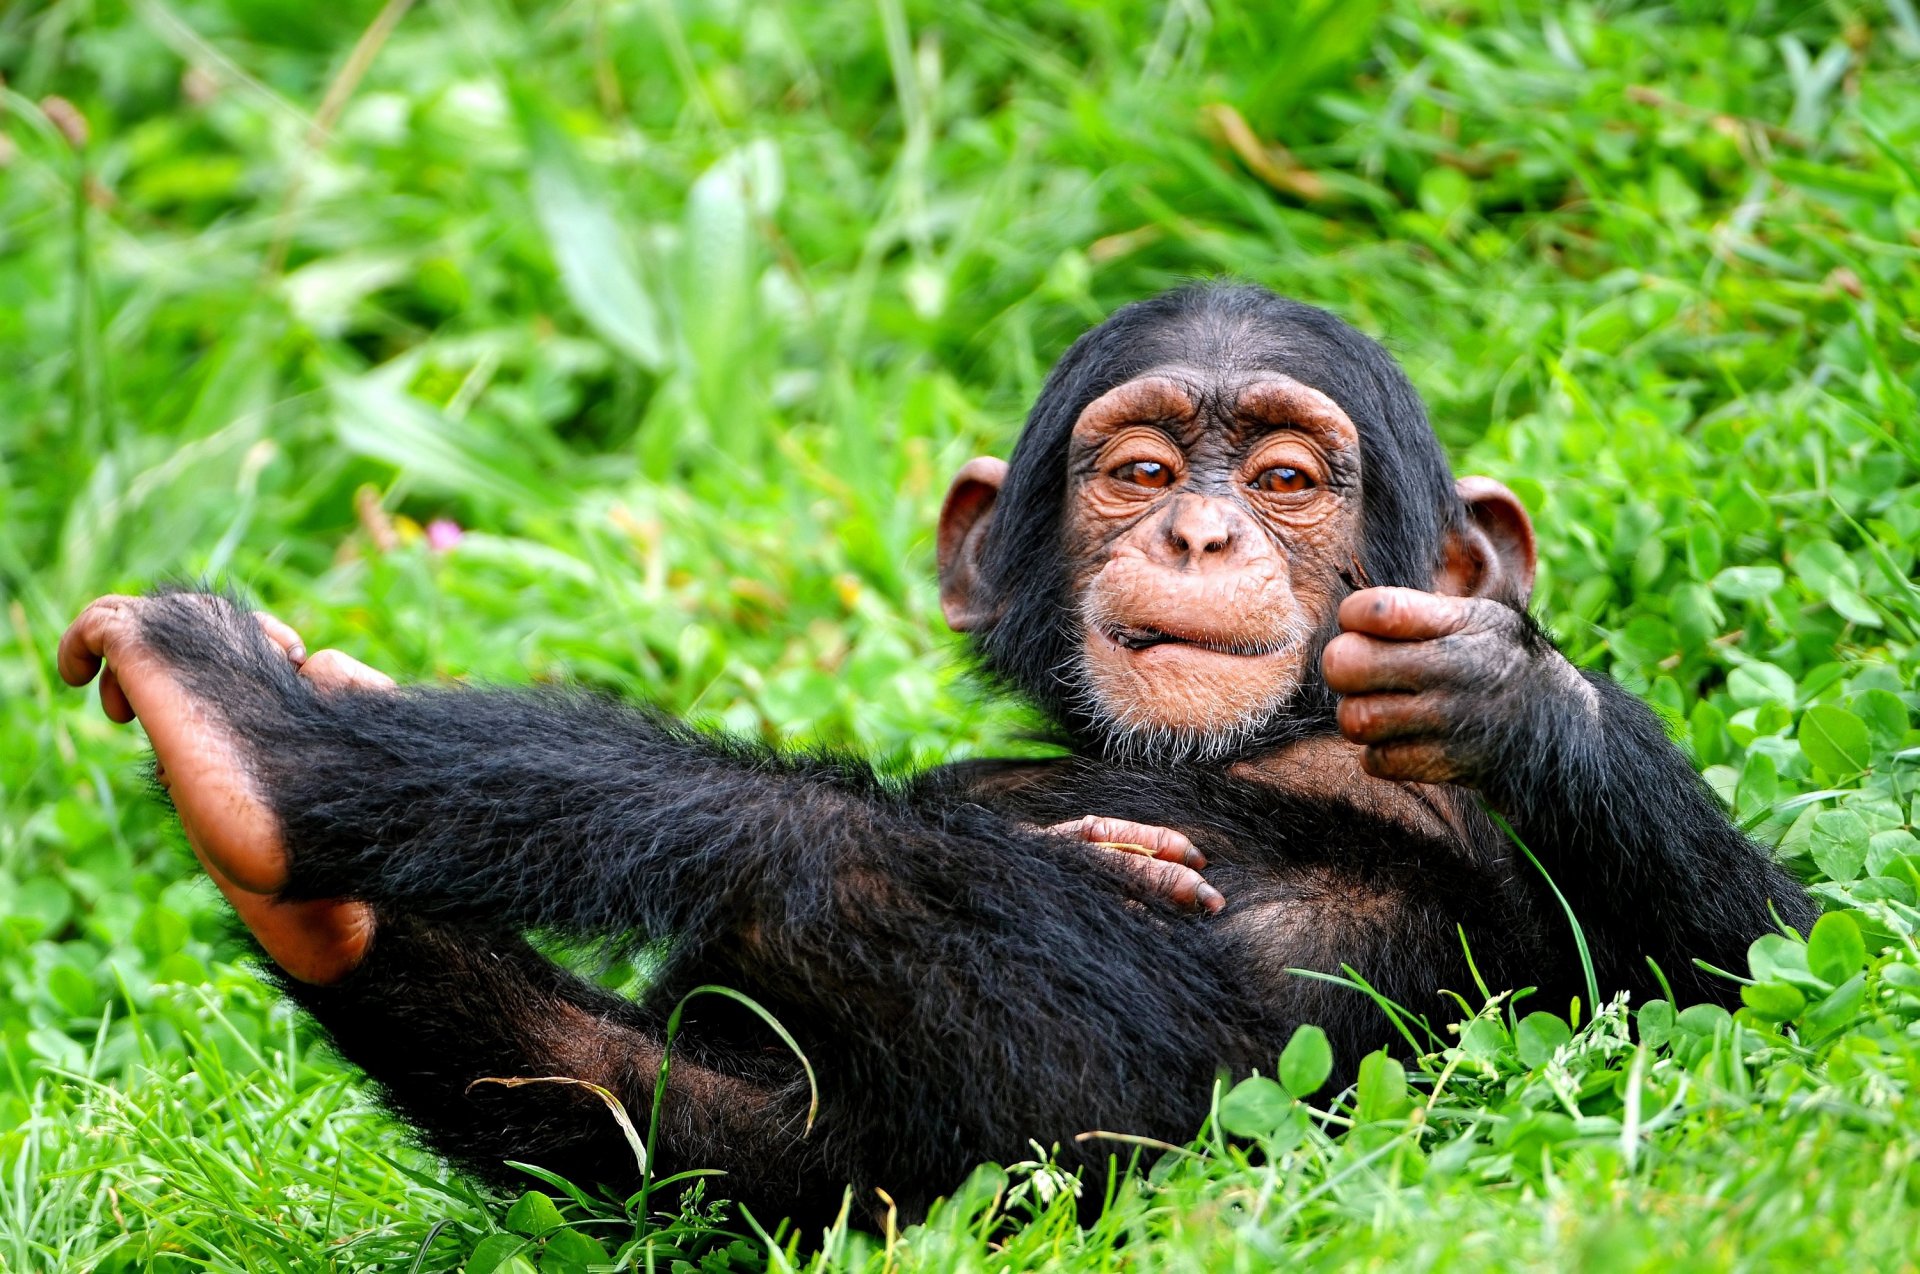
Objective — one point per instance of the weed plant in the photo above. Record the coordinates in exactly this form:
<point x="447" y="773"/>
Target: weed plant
<point x="632" y="342"/>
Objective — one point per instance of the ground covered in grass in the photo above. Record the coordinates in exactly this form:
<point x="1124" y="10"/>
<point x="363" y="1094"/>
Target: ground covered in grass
<point x="674" y="316"/>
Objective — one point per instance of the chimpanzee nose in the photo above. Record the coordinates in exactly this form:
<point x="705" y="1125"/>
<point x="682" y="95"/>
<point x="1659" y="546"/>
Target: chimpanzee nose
<point x="1197" y="527"/>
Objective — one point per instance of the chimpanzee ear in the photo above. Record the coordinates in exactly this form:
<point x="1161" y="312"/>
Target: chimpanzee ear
<point x="1493" y="554"/>
<point x="964" y="519"/>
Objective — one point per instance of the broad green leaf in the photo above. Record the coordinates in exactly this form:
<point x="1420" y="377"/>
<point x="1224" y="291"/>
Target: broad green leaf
<point x="571" y="1252"/>
<point x="1655" y="1021"/>
<point x="1902" y="975"/>
<point x="1703" y="551"/>
<point x="716" y="275"/>
<point x="1838" y="843"/>
<point x="1835" y="949"/>
<point x="1813" y="683"/>
<point x="1382" y="1088"/>
<point x="1703" y="1019"/>
<point x="1538" y="1036"/>
<point x="1837" y="1010"/>
<point x="436" y="452"/>
<point x="44" y="902"/>
<point x="1306" y="1061"/>
<point x="1697" y="617"/>
<point x="1530" y="1134"/>
<point x="1707" y="732"/>
<point x="1288" y="1133"/>
<point x="1770" y="719"/>
<point x="1823" y="566"/>
<point x="1885" y="715"/>
<point x="1759" y="786"/>
<point x="1673" y="195"/>
<point x="1756" y="682"/>
<point x="160" y="931"/>
<point x="1646" y="639"/>
<point x="1742" y="510"/>
<point x="1898" y="889"/>
<point x="533" y="1214"/>
<point x="1888" y="852"/>
<point x="1774" y="1001"/>
<point x="1485" y="1040"/>
<point x="595" y="260"/>
<point x="324" y="293"/>
<point x="1835" y="740"/>
<point x="1254" y="1107"/>
<point x="1852" y="606"/>
<point x="71" y="989"/>
<point x="1775" y="957"/>
<point x="1748" y="583"/>
<point x="1649" y="563"/>
<point x="498" y="1254"/>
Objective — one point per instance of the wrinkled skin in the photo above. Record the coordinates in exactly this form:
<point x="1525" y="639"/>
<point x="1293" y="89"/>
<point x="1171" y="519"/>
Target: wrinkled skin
<point x="1211" y="521"/>
<point x="1420" y="674"/>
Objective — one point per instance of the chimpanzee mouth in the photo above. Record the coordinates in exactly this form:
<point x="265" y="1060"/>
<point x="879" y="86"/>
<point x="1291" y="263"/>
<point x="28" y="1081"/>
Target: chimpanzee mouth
<point x="1139" y="637"/>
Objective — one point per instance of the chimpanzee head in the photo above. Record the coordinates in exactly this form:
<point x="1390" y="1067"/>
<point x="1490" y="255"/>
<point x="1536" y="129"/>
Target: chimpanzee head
<point x="1202" y="480"/>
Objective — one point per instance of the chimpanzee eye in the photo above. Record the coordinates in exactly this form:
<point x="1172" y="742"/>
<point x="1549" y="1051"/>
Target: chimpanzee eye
<point x="1145" y="473"/>
<point x="1283" y="478"/>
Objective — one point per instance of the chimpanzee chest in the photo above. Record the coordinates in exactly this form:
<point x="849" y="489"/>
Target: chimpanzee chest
<point x="1325" y="860"/>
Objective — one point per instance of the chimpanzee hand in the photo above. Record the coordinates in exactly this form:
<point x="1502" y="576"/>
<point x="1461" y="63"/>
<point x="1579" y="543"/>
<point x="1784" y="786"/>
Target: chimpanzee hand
<point x="1159" y="857"/>
<point x="230" y="828"/>
<point x="1444" y="689"/>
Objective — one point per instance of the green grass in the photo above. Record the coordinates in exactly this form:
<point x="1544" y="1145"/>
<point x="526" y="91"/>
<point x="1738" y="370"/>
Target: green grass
<point x="685" y="311"/>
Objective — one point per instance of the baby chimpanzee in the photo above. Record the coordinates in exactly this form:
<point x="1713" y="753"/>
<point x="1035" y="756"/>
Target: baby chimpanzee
<point x="1285" y="645"/>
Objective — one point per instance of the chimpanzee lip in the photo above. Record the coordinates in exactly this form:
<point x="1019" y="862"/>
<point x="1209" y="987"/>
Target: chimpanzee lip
<point x="1138" y="637"/>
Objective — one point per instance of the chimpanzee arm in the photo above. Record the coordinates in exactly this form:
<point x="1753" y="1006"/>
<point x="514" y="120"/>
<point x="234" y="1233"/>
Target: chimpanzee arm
<point x="516" y="808"/>
<point x="552" y="808"/>
<point x="1467" y="690"/>
<point x="1639" y="845"/>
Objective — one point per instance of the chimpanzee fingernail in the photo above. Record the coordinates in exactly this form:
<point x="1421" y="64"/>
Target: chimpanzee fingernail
<point x="297" y="652"/>
<point x="1210" y="898"/>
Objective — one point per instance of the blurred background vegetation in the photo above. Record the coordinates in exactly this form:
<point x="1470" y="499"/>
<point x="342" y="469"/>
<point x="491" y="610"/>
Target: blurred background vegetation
<point x="633" y="341"/>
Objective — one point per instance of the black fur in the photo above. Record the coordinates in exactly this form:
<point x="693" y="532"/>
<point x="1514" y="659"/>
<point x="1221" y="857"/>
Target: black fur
<point x="960" y="982"/>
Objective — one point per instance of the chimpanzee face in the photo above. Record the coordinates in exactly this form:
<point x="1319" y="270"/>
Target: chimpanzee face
<point x="1161" y="563"/>
<point x="1209" y="517"/>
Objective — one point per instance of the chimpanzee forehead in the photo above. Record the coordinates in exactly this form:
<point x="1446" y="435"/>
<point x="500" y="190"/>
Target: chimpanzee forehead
<point x="1185" y="397"/>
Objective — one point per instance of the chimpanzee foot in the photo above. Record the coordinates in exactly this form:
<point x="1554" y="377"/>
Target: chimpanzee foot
<point x="233" y="832"/>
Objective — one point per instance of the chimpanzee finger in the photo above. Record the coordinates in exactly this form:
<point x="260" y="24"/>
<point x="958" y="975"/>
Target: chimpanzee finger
<point x="281" y="634"/>
<point x="113" y="700"/>
<point x="1380" y="718"/>
<point x="1357" y="664"/>
<point x="1405" y="614"/>
<point x="335" y="669"/>
<point x="1174" y="882"/>
<point x="1420" y="761"/>
<point x="1158" y="842"/>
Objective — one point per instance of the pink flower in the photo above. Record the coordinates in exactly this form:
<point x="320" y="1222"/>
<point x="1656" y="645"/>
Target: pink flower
<point x="443" y="534"/>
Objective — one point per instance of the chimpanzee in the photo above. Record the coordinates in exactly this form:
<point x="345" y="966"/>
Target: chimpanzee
<point x="1282" y="644"/>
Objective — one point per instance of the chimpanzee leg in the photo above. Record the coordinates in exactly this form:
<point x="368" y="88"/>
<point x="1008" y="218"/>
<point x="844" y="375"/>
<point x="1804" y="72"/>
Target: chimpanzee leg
<point x="916" y="1086"/>
<point x="436" y="1012"/>
<point x="961" y="982"/>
